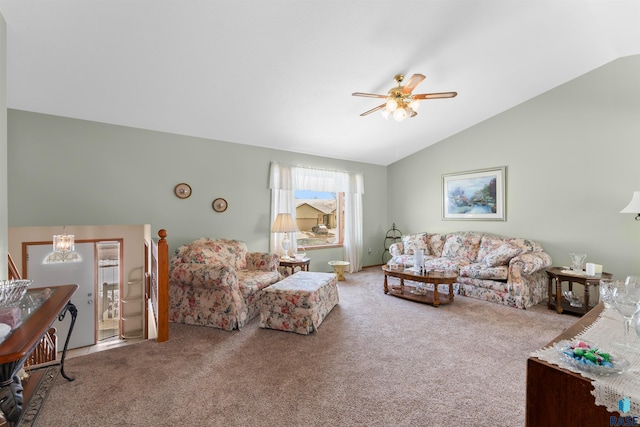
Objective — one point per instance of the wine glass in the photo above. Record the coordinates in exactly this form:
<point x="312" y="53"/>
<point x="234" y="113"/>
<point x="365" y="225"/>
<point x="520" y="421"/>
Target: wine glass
<point x="626" y="301"/>
<point x="606" y="289"/>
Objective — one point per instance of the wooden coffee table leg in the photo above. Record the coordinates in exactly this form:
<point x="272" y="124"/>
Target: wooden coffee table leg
<point x="386" y="287"/>
<point x="450" y="292"/>
<point x="436" y="298"/>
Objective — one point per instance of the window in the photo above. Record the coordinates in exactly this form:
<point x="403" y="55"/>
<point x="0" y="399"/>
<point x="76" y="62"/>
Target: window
<point x="346" y="189"/>
<point x="319" y="217"/>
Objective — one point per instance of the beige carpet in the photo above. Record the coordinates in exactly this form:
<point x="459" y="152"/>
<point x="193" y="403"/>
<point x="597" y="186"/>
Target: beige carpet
<point x="377" y="360"/>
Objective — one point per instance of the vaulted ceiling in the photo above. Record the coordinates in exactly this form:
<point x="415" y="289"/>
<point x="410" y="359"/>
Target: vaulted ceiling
<point x="280" y="73"/>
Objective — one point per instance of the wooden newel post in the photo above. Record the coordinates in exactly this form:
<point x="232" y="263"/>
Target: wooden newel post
<point x="163" y="287"/>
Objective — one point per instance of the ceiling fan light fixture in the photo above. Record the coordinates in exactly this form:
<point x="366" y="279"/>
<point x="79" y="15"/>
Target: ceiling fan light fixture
<point x="400" y="114"/>
<point x="392" y="105"/>
<point x="400" y="100"/>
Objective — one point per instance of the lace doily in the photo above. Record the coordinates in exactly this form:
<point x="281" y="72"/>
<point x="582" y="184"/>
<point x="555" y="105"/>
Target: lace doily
<point x="607" y="390"/>
<point x="573" y="273"/>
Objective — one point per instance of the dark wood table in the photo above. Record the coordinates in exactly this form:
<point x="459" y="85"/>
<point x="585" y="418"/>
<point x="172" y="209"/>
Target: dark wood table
<point x="559" y="397"/>
<point x="19" y="344"/>
<point x="556" y="301"/>
<point x="293" y="263"/>
<point x="409" y="292"/>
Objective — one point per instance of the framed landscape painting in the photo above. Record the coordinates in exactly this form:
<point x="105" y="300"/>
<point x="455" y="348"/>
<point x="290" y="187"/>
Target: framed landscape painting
<point x="475" y="195"/>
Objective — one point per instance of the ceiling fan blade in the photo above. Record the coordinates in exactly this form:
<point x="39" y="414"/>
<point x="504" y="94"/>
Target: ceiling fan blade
<point x="373" y="110"/>
<point x="414" y="81"/>
<point x="368" y="95"/>
<point x="434" y="95"/>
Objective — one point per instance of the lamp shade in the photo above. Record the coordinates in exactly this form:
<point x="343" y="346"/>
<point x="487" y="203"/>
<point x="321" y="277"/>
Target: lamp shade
<point x="284" y="223"/>
<point x="634" y="204"/>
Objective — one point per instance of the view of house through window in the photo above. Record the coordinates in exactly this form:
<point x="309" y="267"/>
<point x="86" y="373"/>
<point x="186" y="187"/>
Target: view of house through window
<point x="319" y="216"/>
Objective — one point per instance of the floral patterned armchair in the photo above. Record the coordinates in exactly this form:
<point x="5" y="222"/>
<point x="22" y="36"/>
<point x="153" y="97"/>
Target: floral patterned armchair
<point x="218" y="283"/>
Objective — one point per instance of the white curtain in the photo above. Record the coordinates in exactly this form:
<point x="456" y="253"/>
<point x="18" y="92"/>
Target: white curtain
<point x="282" y="200"/>
<point x="286" y="179"/>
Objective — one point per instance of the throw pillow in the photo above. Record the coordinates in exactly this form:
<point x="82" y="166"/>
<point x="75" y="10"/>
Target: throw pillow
<point x="463" y="244"/>
<point x="501" y="255"/>
<point x="413" y="242"/>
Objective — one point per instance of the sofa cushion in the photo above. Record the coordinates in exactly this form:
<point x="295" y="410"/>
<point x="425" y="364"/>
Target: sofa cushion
<point x="481" y="271"/>
<point x="453" y="264"/>
<point x="502" y="255"/>
<point x="251" y="282"/>
<point x="435" y="242"/>
<point x="489" y="243"/>
<point x="418" y="241"/>
<point x="462" y="245"/>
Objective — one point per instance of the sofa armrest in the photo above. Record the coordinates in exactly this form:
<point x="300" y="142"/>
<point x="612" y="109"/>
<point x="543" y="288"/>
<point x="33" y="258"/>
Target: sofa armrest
<point x="396" y="249"/>
<point x="530" y="262"/>
<point x="265" y="261"/>
<point x="219" y="277"/>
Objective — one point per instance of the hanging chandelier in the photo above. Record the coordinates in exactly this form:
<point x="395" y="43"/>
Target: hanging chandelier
<point x="64" y="242"/>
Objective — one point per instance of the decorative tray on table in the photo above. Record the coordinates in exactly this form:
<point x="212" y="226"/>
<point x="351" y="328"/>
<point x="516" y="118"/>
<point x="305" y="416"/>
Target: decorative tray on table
<point x="589" y="358"/>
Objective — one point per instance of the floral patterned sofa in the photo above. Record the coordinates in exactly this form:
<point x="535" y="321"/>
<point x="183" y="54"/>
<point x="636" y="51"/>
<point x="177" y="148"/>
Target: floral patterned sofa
<point x="506" y="270"/>
<point x="218" y="283"/>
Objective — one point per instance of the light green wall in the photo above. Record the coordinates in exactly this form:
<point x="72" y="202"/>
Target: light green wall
<point x="72" y="172"/>
<point x="572" y="157"/>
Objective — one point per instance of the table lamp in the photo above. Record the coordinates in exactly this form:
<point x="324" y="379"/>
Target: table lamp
<point x="284" y="223"/>
<point x="634" y="205"/>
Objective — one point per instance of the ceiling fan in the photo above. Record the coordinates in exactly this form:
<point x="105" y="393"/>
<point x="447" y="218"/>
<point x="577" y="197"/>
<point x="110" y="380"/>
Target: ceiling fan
<point x="400" y="101"/>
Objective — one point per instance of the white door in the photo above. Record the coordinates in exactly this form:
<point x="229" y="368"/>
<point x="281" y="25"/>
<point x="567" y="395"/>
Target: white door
<point x="81" y="272"/>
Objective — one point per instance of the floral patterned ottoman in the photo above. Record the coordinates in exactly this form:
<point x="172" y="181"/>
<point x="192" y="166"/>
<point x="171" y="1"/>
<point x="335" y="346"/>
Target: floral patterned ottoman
<point x="299" y="303"/>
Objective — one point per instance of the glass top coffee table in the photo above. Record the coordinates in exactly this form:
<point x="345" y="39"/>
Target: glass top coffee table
<point x="424" y="288"/>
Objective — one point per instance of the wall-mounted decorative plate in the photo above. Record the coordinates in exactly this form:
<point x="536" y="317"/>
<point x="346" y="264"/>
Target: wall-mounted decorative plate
<point x="219" y="205"/>
<point x="182" y="190"/>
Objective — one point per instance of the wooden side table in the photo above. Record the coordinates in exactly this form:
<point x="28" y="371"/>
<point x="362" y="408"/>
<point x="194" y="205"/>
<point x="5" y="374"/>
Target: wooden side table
<point x="559" y="275"/>
<point x="293" y="263"/>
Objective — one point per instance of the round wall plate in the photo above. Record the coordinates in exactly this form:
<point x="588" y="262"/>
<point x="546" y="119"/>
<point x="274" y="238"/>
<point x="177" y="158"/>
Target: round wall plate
<point x="182" y="190"/>
<point x="219" y="205"/>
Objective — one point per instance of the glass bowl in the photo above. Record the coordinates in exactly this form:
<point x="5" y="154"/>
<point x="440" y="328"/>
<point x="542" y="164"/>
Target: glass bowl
<point x="574" y="300"/>
<point x="566" y="349"/>
<point x="12" y="291"/>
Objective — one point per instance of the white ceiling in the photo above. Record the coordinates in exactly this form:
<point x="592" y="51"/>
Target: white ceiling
<point x="280" y="73"/>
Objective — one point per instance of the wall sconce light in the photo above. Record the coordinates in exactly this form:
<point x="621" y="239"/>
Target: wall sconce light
<point x="634" y="205"/>
<point x="284" y="223"/>
<point x="63" y="242"/>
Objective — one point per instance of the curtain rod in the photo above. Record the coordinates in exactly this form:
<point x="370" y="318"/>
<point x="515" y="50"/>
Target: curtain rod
<point x="313" y="167"/>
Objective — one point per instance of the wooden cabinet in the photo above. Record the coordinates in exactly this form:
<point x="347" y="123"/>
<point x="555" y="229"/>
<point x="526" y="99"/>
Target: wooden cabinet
<point x="558" y="397"/>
